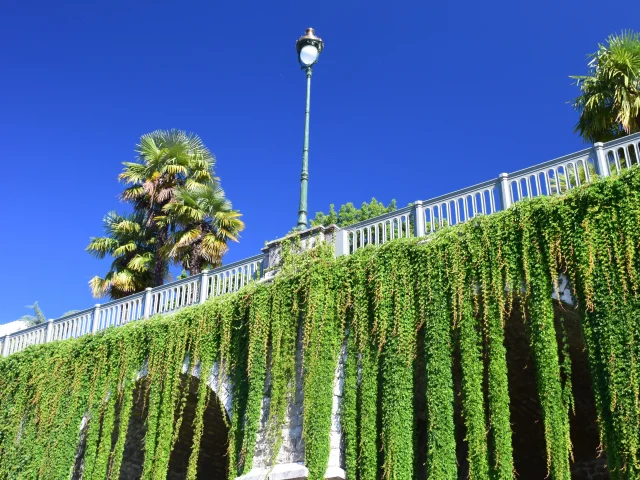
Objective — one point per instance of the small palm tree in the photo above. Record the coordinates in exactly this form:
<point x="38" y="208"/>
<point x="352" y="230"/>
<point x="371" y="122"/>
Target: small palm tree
<point x="204" y="222"/>
<point x="609" y="105"/>
<point x="131" y="243"/>
<point x="168" y="161"/>
<point x="37" y="319"/>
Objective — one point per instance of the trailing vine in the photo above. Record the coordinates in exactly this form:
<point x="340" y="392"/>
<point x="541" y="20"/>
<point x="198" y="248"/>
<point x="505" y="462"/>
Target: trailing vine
<point x="65" y="407"/>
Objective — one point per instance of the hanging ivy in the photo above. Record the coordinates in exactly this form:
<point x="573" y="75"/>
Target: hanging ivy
<point x="65" y="407"/>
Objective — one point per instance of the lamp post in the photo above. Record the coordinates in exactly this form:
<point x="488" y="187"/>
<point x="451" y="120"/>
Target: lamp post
<point x="309" y="47"/>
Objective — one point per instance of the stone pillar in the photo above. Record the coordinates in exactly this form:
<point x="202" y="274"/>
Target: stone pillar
<point x="601" y="160"/>
<point x="49" y="333"/>
<point x="505" y="191"/>
<point x="418" y="219"/>
<point x="5" y="346"/>
<point x="147" y="302"/>
<point x="289" y="463"/>
<point x="308" y="239"/>
<point x="335" y="470"/>
<point x="342" y="243"/>
<point x="96" y="318"/>
<point x="204" y="286"/>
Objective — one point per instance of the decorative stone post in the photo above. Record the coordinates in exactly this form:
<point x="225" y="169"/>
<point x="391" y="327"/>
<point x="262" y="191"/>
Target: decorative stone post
<point x="5" y="346"/>
<point x="603" y="165"/>
<point x="96" y="318"/>
<point x="147" y="302"/>
<point x="342" y="243"/>
<point x="49" y="334"/>
<point x="418" y="219"/>
<point x="204" y="286"/>
<point x="505" y="191"/>
<point x="308" y="239"/>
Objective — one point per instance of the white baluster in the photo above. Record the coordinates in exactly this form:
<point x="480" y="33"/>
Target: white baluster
<point x="602" y="163"/>
<point x="505" y="190"/>
<point x="49" y="334"/>
<point x="147" y="302"/>
<point x="204" y="286"/>
<point x="96" y="318"/>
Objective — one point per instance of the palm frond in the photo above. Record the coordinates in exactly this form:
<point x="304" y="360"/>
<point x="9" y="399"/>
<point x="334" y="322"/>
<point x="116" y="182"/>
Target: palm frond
<point x="609" y="103"/>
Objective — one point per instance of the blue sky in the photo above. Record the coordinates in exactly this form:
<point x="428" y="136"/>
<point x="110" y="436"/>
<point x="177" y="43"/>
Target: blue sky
<point x="410" y="100"/>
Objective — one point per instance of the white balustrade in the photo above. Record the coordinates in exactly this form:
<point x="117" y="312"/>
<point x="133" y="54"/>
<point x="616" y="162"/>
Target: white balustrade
<point x="22" y="339"/>
<point x="622" y="153"/>
<point x="165" y="299"/>
<point x="460" y="206"/>
<point x="72" y="326"/>
<point x="175" y="296"/>
<point x="119" y="312"/>
<point x="378" y="230"/>
<point x="232" y="277"/>
<point x="554" y="177"/>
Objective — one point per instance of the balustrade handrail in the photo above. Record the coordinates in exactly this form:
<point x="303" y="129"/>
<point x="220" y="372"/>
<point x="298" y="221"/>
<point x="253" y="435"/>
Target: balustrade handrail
<point x="379" y="218"/>
<point x="550" y="163"/>
<point x="29" y="329"/>
<point x="461" y="192"/>
<point x="461" y="205"/>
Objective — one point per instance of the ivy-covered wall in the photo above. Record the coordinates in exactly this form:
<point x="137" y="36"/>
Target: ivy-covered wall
<point x="410" y="314"/>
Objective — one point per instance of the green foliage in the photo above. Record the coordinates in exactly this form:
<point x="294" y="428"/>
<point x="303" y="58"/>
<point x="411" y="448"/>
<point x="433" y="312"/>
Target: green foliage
<point x="202" y="221"/>
<point x="38" y="318"/>
<point x="539" y="313"/>
<point x="180" y="215"/>
<point x="609" y="103"/>
<point x="451" y="294"/>
<point x="349" y="214"/>
<point x="131" y="244"/>
<point x="321" y="342"/>
<point x="433" y="305"/>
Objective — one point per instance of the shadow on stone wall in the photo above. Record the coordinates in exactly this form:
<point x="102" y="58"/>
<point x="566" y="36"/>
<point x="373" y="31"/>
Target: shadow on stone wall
<point x="212" y="461"/>
<point x="526" y="418"/>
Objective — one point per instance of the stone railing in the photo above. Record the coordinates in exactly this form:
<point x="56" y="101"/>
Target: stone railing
<point x="164" y="299"/>
<point x="554" y="177"/>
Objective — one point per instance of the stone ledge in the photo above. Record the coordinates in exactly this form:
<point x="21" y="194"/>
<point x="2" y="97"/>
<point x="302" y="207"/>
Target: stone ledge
<point x="335" y="473"/>
<point x="290" y="471"/>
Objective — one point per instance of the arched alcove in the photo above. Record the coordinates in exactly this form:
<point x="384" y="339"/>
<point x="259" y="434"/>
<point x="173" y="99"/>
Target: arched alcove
<point x="212" y="460"/>
<point x="528" y="441"/>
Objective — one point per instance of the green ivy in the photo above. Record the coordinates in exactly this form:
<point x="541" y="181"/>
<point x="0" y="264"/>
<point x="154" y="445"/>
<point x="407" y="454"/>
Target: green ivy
<point x="452" y="293"/>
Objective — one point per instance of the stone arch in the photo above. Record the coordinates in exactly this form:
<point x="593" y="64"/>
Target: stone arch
<point x="525" y="414"/>
<point x="212" y="462"/>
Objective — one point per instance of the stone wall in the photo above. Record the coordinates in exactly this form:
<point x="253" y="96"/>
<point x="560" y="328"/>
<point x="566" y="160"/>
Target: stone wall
<point x="289" y="460"/>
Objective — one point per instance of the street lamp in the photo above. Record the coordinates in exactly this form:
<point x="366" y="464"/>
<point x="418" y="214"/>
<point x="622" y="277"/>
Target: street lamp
<point x="309" y="47"/>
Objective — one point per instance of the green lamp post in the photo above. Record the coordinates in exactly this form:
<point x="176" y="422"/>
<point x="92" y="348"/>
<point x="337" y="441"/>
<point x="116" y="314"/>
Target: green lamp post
<point x="309" y="47"/>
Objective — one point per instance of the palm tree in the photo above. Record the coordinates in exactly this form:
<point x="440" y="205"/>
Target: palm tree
<point x="204" y="221"/>
<point x="167" y="161"/>
<point x="132" y="244"/>
<point x="37" y="319"/>
<point x="610" y="102"/>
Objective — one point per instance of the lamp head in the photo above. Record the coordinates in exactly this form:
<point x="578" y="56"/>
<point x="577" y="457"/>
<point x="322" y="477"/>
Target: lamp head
<point x="309" y="47"/>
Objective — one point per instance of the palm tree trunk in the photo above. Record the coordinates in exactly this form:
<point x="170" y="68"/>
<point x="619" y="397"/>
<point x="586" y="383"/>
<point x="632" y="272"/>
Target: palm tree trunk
<point x="160" y="262"/>
<point x="195" y="266"/>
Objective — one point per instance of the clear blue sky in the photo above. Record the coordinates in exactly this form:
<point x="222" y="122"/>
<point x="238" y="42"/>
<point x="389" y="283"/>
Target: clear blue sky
<point x="410" y="100"/>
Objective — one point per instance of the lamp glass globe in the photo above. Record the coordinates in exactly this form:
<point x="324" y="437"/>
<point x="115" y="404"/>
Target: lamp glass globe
<point x="308" y="55"/>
